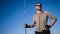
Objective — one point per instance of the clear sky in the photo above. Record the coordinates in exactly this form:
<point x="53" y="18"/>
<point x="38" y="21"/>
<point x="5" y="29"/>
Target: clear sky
<point x="12" y="15"/>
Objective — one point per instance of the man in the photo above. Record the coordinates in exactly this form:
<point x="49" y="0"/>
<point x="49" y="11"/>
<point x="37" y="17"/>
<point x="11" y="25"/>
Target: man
<point x="40" y="21"/>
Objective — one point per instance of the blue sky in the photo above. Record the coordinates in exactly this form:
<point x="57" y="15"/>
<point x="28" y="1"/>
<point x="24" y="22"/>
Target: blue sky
<point x="12" y="15"/>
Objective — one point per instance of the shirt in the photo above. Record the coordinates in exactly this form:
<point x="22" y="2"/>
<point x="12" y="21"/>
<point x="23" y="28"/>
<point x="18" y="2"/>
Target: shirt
<point x="38" y="14"/>
<point x="41" y="21"/>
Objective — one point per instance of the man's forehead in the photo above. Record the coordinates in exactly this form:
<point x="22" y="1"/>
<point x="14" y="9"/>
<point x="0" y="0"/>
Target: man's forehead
<point x="38" y="4"/>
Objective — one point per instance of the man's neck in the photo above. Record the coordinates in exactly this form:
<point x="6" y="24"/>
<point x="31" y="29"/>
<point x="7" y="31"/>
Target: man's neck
<point x="38" y="11"/>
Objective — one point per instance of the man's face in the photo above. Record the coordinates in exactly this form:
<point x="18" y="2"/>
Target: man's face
<point x="38" y="6"/>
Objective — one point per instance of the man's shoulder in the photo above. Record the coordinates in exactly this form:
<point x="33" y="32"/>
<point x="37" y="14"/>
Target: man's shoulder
<point x="46" y="12"/>
<point x="34" y="15"/>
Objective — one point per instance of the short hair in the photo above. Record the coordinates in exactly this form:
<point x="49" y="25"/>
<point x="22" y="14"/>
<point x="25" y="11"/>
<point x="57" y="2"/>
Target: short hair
<point x="38" y="3"/>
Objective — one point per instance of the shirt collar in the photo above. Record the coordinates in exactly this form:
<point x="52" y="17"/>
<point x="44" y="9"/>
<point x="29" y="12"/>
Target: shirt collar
<point x="40" y="13"/>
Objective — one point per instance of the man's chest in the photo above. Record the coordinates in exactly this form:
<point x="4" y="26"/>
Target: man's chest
<point x="42" y="17"/>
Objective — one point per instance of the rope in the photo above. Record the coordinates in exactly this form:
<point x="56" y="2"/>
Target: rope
<point x="25" y="15"/>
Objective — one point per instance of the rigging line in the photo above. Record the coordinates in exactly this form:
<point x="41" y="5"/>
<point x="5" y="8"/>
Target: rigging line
<point x="24" y="12"/>
<point x="25" y="16"/>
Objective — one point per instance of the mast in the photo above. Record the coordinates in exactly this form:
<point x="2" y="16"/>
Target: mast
<point x="25" y="14"/>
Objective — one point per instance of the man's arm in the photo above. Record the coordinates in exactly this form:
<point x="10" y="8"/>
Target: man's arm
<point x="30" y="26"/>
<point x="53" y="19"/>
<point x="34" y="22"/>
<point x="53" y="22"/>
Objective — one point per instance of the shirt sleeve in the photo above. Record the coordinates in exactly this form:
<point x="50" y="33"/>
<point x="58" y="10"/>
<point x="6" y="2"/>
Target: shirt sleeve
<point x="33" y="23"/>
<point x="51" y="16"/>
